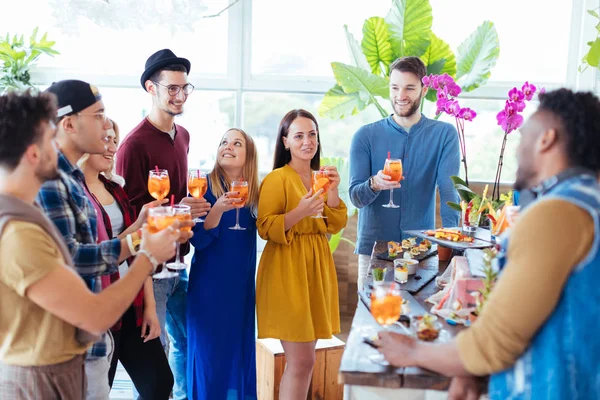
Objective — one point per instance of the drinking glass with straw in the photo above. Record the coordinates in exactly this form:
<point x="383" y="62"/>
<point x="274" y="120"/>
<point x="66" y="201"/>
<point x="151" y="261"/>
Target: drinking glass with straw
<point x="393" y="169"/>
<point x="159" y="183"/>
<point x="181" y="212"/>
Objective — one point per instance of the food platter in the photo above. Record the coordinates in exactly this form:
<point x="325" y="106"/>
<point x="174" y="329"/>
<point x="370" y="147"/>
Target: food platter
<point x="442" y="236"/>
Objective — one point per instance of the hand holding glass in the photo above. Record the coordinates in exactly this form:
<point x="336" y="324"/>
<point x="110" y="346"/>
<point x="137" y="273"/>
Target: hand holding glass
<point x="182" y="213"/>
<point x="320" y="180"/>
<point x="197" y="186"/>
<point x="241" y="187"/>
<point x="393" y="169"/>
<point x="160" y="218"/>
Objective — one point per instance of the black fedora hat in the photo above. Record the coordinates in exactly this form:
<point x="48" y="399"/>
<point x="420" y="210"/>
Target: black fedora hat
<point x="161" y="59"/>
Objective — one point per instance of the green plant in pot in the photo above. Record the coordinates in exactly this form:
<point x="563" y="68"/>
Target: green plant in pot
<point x="18" y="57"/>
<point x="469" y="196"/>
<point x="405" y="31"/>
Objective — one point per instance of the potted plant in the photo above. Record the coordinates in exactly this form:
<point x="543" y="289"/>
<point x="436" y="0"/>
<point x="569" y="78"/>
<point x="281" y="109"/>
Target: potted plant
<point x="405" y="31"/>
<point x="18" y="57"/>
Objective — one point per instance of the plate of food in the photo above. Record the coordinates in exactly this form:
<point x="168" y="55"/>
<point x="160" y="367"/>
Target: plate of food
<point x="409" y="249"/>
<point x="452" y="238"/>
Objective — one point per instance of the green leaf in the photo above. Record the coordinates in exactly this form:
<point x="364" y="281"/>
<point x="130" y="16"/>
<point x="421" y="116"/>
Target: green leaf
<point x="457" y="180"/>
<point x="454" y="206"/>
<point x="338" y="104"/>
<point x="410" y="27"/>
<point x="367" y="85"/>
<point x="334" y="241"/>
<point x="477" y="55"/>
<point x="593" y="13"/>
<point x="356" y="55"/>
<point x="32" y="38"/>
<point x="343" y="167"/>
<point x="376" y="45"/>
<point x="593" y="56"/>
<point x="439" y="59"/>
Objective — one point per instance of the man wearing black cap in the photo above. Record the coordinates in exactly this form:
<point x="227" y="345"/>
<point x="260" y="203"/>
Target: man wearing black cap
<point x="45" y="304"/>
<point x="68" y="203"/>
<point x="158" y="142"/>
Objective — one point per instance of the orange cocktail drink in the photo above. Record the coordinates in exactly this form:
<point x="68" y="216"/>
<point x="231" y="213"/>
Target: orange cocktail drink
<point x="197" y="184"/>
<point x="160" y="218"/>
<point x="393" y="168"/>
<point x="159" y="184"/>
<point x="386" y="303"/>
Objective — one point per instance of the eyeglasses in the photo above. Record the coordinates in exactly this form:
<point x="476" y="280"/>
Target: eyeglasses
<point x="174" y="90"/>
<point x="100" y="115"/>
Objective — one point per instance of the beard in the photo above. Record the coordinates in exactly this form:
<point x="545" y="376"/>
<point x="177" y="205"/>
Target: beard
<point x="524" y="178"/>
<point x="166" y="108"/>
<point x="47" y="170"/>
<point x="414" y="106"/>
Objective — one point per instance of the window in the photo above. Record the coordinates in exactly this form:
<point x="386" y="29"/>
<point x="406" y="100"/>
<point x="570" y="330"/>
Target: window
<point x="262" y="113"/>
<point x="207" y="115"/>
<point x="304" y="38"/>
<point x="484" y="139"/>
<point x="116" y="38"/>
<point x="534" y="35"/>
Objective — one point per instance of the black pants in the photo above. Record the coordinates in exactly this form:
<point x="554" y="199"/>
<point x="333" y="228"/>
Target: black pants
<point x="146" y="363"/>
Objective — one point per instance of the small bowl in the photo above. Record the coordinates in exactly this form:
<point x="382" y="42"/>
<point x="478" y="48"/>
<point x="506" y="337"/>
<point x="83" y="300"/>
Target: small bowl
<point x="410" y="264"/>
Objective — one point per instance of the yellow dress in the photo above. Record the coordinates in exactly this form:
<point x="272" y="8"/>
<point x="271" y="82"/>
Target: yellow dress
<point x="296" y="287"/>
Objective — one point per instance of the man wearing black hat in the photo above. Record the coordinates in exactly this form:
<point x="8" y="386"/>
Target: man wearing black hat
<point x="158" y="142"/>
<point x="68" y="203"/>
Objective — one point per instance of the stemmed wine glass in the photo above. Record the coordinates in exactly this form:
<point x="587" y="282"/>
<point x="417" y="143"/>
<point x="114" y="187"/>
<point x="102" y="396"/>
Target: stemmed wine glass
<point x="241" y="187"/>
<point x="386" y="308"/>
<point x="182" y="213"/>
<point x="320" y="180"/>
<point x="393" y="169"/>
<point x="159" y="184"/>
<point x="197" y="186"/>
<point x="160" y="218"/>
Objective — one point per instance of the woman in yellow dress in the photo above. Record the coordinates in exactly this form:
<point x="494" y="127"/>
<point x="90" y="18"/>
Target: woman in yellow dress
<point x="296" y="288"/>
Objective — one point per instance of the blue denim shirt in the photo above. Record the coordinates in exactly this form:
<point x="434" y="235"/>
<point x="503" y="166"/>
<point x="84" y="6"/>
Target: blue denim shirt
<point x="430" y="154"/>
<point x="561" y="361"/>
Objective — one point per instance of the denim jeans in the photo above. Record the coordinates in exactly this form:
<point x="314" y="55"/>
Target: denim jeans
<point x="171" y="295"/>
<point x="96" y="372"/>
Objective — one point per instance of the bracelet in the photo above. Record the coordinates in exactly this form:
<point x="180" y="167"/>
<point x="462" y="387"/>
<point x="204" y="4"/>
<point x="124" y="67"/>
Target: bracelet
<point x="151" y="258"/>
<point x="130" y="244"/>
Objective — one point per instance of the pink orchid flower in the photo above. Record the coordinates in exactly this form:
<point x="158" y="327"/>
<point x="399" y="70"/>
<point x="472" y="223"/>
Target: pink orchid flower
<point x="452" y="108"/>
<point x="516" y="96"/>
<point x="529" y="90"/>
<point x="467" y="114"/>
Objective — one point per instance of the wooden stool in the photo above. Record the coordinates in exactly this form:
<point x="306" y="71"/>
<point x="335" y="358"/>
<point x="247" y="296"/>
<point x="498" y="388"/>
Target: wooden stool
<point x="270" y="364"/>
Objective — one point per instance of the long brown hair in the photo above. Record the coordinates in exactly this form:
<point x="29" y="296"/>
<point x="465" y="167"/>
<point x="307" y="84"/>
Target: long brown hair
<point x="283" y="156"/>
<point x="249" y="172"/>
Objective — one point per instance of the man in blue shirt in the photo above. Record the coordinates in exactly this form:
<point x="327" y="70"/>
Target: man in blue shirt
<point x="430" y="154"/>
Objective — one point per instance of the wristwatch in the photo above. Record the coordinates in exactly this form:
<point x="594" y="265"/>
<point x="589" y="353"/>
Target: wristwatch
<point x="372" y="184"/>
<point x="133" y="242"/>
<point x="151" y="258"/>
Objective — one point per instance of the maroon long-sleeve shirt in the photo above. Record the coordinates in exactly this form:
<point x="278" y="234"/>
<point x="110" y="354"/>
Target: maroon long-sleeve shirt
<point x="145" y="148"/>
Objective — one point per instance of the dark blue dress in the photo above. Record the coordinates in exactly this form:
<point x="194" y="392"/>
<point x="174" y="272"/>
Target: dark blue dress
<point x="221" y="361"/>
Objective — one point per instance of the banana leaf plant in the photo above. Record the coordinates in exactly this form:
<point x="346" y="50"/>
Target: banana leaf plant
<point x="405" y="31"/>
<point x="18" y="57"/>
<point x="342" y="165"/>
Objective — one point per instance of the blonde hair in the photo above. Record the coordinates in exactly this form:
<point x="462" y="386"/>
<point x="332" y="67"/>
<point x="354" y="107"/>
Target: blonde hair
<point x="249" y="173"/>
<point x="110" y="173"/>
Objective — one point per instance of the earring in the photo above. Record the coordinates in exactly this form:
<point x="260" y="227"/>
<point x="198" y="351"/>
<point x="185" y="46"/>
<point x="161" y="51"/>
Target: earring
<point x="287" y="148"/>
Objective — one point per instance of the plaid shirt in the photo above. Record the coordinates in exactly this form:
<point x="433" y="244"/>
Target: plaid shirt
<point x="64" y="201"/>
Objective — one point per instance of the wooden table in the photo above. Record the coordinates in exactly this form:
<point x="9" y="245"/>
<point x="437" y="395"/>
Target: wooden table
<point x="357" y="369"/>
